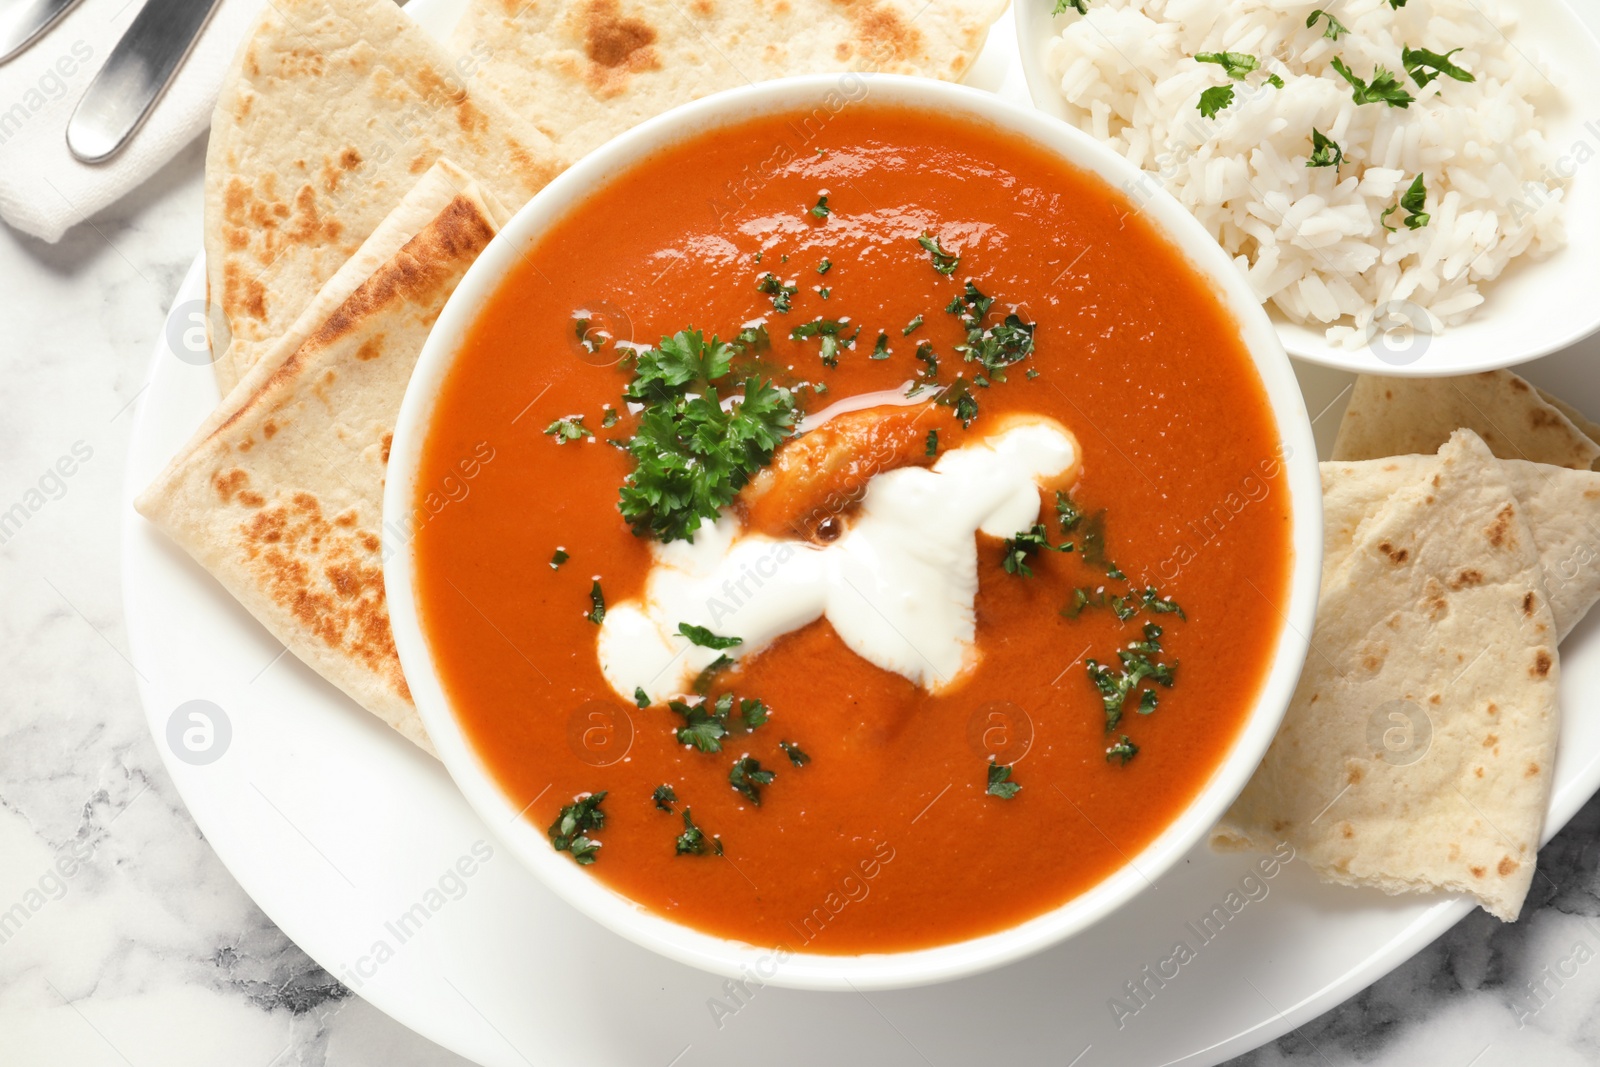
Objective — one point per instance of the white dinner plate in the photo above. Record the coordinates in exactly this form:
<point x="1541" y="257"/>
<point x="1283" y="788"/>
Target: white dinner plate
<point x="1534" y="308"/>
<point x="360" y="848"/>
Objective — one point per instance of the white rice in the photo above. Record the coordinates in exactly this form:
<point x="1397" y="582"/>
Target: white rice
<point x="1309" y="239"/>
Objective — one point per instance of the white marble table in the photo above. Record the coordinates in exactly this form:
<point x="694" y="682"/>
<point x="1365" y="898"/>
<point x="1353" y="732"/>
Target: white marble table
<point x="150" y="954"/>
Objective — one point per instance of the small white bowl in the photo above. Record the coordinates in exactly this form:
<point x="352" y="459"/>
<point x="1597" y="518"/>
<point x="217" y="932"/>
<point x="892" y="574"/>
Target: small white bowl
<point x="890" y="970"/>
<point x="1535" y="307"/>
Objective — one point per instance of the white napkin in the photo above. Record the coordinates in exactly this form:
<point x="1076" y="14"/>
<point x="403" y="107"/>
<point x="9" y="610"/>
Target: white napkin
<point x="43" y="189"/>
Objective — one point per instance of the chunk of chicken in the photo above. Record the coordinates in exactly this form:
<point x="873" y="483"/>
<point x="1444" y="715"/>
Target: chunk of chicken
<point x="817" y="477"/>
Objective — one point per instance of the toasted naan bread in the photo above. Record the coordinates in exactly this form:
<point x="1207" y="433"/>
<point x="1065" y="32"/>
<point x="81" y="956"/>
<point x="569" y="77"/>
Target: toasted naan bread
<point x="332" y="110"/>
<point x="1418" y="751"/>
<point x="1401" y="416"/>
<point x="280" y="496"/>
<point x="586" y="70"/>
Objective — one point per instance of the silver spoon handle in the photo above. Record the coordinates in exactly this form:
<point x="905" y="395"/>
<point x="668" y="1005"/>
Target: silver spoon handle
<point x="134" y="77"/>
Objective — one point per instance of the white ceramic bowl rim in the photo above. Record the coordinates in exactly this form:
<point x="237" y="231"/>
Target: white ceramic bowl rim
<point x="808" y="970"/>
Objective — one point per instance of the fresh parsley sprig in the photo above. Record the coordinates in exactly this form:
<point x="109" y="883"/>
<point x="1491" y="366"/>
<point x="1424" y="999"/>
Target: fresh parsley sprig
<point x="1334" y="29"/>
<point x="747" y="777"/>
<point x="1000" y="783"/>
<point x="1383" y="89"/>
<point x="691" y="457"/>
<point x="570" y="832"/>
<point x="1325" y="152"/>
<point x="1413" y="200"/>
<point x="1140" y="662"/>
<point x="1424" y="66"/>
<point x="692" y="842"/>
<point x="703" y="637"/>
<point x="943" y="262"/>
<point x="1024" y="545"/>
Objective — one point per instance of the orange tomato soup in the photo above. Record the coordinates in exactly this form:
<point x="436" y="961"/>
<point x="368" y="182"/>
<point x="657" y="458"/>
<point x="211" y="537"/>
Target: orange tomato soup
<point x="887" y="840"/>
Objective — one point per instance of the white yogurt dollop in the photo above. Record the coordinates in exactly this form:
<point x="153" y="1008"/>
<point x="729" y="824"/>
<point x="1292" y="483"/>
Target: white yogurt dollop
<point x="898" y="585"/>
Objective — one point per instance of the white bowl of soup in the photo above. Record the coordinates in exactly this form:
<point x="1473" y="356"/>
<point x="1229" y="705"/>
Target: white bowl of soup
<point x="889" y="541"/>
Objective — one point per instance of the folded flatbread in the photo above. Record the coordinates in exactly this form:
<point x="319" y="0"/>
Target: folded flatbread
<point x="1417" y="751"/>
<point x="280" y="496"/>
<point x="332" y="110"/>
<point x="1561" y="507"/>
<point x="1401" y="416"/>
<point x="585" y="70"/>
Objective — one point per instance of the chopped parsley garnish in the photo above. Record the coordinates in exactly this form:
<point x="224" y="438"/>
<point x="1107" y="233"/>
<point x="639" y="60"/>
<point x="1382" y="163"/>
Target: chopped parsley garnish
<point x="821" y="210"/>
<point x="880" y="349"/>
<point x="792" y="750"/>
<point x="609" y="419"/>
<point x="746" y="777"/>
<point x="559" y="558"/>
<point x="640" y="697"/>
<point x="1413" y="200"/>
<point x="597" y="604"/>
<point x="1000" y="783"/>
<point x="1033" y="372"/>
<point x="706" y="639"/>
<point x="702" y="728"/>
<point x="1021" y="547"/>
<point x="664" y="796"/>
<point x="958" y="397"/>
<point x="928" y="356"/>
<point x="692" y="842"/>
<point x="995" y="347"/>
<point x="1063" y="6"/>
<point x="1424" y="66"/>
<point x="1234" y="64"/>
<point x="781" y="294"/>
<point x="1094" y="545"/>
<point x="1067" y="513"/>
<point x="1138" y="665"/>
<point x="1334" y="29"/>
<point x="691" y="457"/>
<point x="932" y="447"/>
<point x="1126" y="607"/>
<point x="1383" y="89"/>
<point x="569" y="833"/>
<point x="1083" y="598"/>
<point x="831" y="331"/>
<point x="824" y="292"/>
<point x="943" y="262"/>
<point x="754" y="338"/>
<point x="703" y="680"/>
<point x="825" y="266"/>
<point x="1397" y="4"/>
<point x="1215" y="99"/>
<point x="570" y="428"/>
<point x="1123" y="750"/>
<point x="705" y="724"/>
<point x="753" y="712"/>
<point x="1325" y="152"/>
<point x="910" y="326"/>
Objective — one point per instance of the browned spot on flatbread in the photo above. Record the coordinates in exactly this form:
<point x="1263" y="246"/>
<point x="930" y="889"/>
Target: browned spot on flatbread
<point x="1506" y="866"/>
<point x="1493" y="709"/>
<point x="886" y="34"/>
<point x="1491" y="741"/>
<point x="617" y="47"/>
<point x="1396" y="556"/>
<point x="1347" y="831"/>
<point x="328" y="576"/>
<point x="1477" y="772"/>
<point x="1527" y="604"/>
<point x="242" y="292"/>
<point x="228" y="483"/>
<point x="1477" y="872"/>
<point x="350" y="159"/>
<point x="388" y="439"/>
<point x="1541" y="664"/>
<point x="1499" y="531"/>
<point x="269" y="429"/>
<point x="1466" y="578"/>
<point x="370" y="349"/>
<point x="1532" y="771"/>
<point x="1354" y="775"/>
<point x="1539" y="418"/>
<point x="250" y="498"/>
